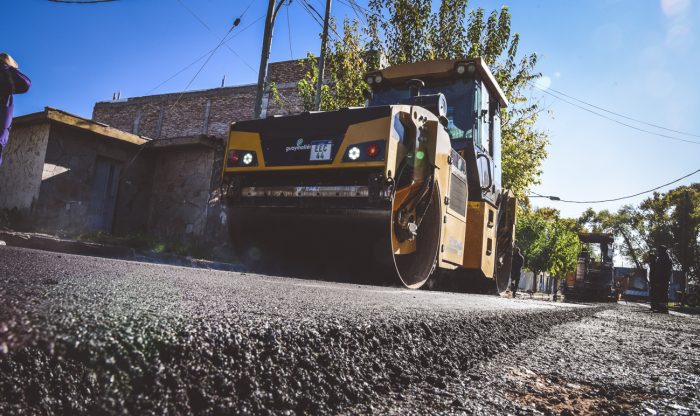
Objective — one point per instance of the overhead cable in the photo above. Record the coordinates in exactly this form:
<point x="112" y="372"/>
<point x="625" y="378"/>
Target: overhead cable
<point x="203" y="23"/>
<point x="82" y="1"/>
<point x="625" y="197"/>
<point x="200" y="69"/>
<point x="203" y="56"/>
<point x="357" y="12"/>
<point x="614" y="120"/>
<point x="623" y="116"/>
<point x="319" y="20"/>
<point x="289" y="31"/>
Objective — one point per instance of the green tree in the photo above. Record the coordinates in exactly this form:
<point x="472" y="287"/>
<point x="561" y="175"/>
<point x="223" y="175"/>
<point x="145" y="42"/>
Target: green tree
<point x="564" y="245"/>
<point x="407" y="31"/>
<point x="530" y="236"/>
<point x="548" y="243"/>
<point x="344" y="76"/>
<point x="627" y="226"/>
<point x="673" y="219"/>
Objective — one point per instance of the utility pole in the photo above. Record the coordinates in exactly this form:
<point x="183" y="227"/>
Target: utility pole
<point x="322" y="58"/>
<point x="272" y="8"/>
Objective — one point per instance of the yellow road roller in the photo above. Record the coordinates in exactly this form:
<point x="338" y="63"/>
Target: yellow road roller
<point x="406" y="189"/>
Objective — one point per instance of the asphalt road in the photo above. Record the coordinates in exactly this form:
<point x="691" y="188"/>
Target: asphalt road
<point x="85" y="335"/>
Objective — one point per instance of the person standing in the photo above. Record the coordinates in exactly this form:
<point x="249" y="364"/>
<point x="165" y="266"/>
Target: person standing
<point x="653" y="280"/>
<point x="12" y="81"/>
<point x="516" y="265"/>
<point x="664" y="268"/>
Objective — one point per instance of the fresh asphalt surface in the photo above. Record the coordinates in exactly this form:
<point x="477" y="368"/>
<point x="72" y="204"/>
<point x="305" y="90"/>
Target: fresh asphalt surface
<point x="85" y="335"/>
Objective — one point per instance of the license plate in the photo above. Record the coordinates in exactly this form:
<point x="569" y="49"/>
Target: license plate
<point x="321" y="150"/>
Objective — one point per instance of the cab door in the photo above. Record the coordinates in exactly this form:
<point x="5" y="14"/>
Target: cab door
<point x="485" y="144"/>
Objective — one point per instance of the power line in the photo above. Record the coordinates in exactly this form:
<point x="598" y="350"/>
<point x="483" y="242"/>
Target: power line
<point x="235" y="23"/>
<point x="316" y="16"/>
<point x="203" y="56"/>
<point x="613" y="119"/>
<point x="623" y="197"/>
<point x="200" y="70"/>
<point x="308" y="11"/>
<point x="246" y="9"/>
<point x="366" y="12"/>
<point x="356" y="11"/>
<point x="624" y="116"/>
<point x="82" y="1"/>
<point x="289" y="31"/>
<point x="223" y="40"/>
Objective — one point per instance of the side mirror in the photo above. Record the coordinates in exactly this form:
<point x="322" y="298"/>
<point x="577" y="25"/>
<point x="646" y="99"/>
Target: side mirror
<point x="488" y="170"/>
<point x="414" y="86"/>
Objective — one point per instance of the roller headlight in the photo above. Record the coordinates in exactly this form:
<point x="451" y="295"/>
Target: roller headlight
<point x="370" y="80"/>
<point x="247" y="158"/>
<point x="378" y="79"/>
<point x="354" y="153"/>
<point x="461" y="69"/>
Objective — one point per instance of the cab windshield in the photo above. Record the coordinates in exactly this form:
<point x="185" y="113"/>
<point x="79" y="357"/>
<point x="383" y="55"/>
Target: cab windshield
<point x="460" y="104"/>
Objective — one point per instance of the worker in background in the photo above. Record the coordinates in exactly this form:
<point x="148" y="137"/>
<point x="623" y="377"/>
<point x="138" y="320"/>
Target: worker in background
<point x="12" y="81"/>
<point x="516" y="265"/>
<point x="604" y="253"/>
<point x="664" y="268"/>
<point x="653" y="279"/>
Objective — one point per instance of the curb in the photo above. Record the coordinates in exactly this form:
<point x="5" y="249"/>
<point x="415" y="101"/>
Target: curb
<point x="51" y="243"/>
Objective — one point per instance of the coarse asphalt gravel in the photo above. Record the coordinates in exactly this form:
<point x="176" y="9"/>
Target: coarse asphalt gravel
<point x="619" y="361"/>
<point x="85" y="335"/>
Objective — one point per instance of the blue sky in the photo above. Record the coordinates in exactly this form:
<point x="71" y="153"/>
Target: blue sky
<point x="636" y="57"/>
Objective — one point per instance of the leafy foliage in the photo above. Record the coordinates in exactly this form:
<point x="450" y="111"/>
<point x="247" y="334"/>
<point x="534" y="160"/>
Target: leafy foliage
<point x="407" y="31"/>
<point x="671" y="219"/>
<point x="548" y="243"/>
<point x="345" y="69"/>
<point x="626" y="225"/>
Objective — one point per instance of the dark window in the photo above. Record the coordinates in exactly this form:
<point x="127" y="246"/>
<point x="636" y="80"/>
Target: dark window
<point x="460" y="104"/>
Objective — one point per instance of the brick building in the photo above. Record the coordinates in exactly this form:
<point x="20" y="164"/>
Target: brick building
<point x="207" y="112"/>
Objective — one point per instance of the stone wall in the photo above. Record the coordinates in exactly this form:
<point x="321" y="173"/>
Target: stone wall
<point x="23" y="167"/>
<point x="208" y="112"/>
<point x="181" y="192"/>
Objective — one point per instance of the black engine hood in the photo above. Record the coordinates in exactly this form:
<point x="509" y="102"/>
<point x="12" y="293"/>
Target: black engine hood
<point x="318" y="124"/>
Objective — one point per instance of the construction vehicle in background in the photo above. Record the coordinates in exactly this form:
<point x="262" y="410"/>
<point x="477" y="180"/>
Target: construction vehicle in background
<point x="407" y="187"/>
<point x="594" y="277"/>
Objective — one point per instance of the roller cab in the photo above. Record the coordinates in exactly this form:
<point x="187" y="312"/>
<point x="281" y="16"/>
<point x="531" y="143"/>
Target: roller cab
<point x="401" y="188"/>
